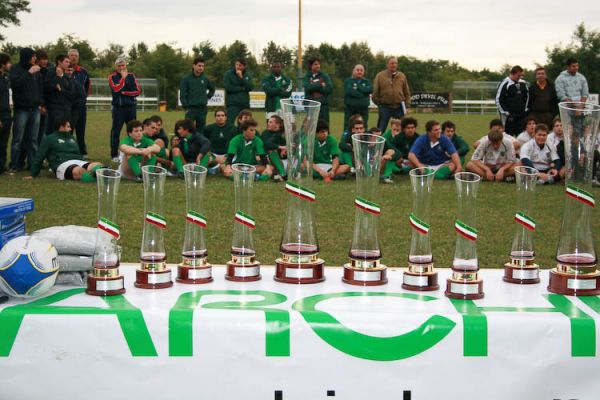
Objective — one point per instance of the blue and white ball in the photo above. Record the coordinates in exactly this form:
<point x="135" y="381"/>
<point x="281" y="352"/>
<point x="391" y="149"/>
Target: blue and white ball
<point x="28" y="267"/>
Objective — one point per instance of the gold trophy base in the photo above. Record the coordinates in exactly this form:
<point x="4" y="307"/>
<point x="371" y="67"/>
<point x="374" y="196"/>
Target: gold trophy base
<point x="243" y="269"/>
<point x="365" y="273"/>
<point x="575" y="280"/>
<point x="521" y="271"/>
<point x="299" y="269"/>
<point x="105" y="282"/>
<point x="194" y="271"/>
<point x="153" y="275"/>
<point x="464" y="286"/>
<point x="420" y="278"/>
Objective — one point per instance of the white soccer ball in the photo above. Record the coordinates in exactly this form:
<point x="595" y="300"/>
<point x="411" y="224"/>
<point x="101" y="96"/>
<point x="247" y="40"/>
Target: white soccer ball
<point x="28" y="267"/>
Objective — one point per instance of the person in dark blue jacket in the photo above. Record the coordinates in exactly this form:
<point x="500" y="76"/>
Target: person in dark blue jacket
<point x="125" y="88"/>
<point x="79" y="110"/>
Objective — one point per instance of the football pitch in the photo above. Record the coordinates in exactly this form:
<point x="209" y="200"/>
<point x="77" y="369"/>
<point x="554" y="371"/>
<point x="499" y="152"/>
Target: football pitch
<point x="66" y="203"/>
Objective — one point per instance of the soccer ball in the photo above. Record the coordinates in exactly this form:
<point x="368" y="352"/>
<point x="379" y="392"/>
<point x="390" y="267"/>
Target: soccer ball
<point x="28" y="267"/>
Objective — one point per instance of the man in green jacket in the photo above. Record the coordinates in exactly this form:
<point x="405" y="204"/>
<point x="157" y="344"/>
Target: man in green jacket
<point x="318" y="87"/>
<point x="194" y="92"/>
<point x="62" y="151"/>
<point x="276" y="87"/>
<point x="238" y="85"/>
<point x="357" y="95"/>
<point x="449" y="129"/>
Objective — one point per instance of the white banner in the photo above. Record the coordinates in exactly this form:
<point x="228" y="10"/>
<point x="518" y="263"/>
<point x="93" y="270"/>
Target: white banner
<point x="266" y="340"/>
<point x="218" y="99"/>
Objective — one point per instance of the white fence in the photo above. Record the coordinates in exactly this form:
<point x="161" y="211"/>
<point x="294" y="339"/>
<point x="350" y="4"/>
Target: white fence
<point x="101" y="96"/>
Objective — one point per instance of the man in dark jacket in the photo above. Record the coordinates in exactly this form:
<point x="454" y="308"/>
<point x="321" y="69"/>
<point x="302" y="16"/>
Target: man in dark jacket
<point x="512" y="98"/>
<point x="357" y="95"/>
<point x="125" y="88"/>
<point x="318" y="87"/>
<point x="238" y="85"/>
<point x="543" y="101"/>
<point x="194" y="92"/>
<point x="44" y="64"/>
<point x="58" y="93"/>
<point x="79" y="109"/>
<point x="5" y="117"/>
<point x="28" y="96"/>
<point x="276" y="87"/>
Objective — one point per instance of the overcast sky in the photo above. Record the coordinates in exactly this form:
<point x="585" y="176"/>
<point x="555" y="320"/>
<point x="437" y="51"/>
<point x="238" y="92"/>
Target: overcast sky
<point x="474" y="33"/>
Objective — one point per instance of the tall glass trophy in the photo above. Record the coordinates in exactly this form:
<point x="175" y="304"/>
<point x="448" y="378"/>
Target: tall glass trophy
<point x="194" y="267"/>
<point x="243" y="266"/>
<point x="522" y="268"/>
<point x="465" y="282"/>
<point x="105" y="279"/>
<point x="576" y="273"/>
<point x="420" y="275"/>
<point x="299" y="261"/>
<point x="364" y="268"/>
<point x="153" y="272"/>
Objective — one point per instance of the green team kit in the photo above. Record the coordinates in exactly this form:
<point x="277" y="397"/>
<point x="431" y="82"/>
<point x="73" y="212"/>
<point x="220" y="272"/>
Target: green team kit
<point x="135" y="161"/>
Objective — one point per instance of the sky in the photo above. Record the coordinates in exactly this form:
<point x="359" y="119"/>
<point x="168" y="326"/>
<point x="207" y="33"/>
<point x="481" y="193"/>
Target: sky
<point x="474" y="33"/>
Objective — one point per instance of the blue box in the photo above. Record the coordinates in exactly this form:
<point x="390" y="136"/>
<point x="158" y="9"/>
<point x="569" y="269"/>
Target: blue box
<point x="10" y="207"/>
<point x="8" y="222"/>
<point x="15" y="231"/>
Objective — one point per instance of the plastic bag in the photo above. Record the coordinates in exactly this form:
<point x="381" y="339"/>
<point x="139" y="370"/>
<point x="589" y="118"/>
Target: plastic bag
<point x="72" y="278"/>
<point x="70" y="263"/>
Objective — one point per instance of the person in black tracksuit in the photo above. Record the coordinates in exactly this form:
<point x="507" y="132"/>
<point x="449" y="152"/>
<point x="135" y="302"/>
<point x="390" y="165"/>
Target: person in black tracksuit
<point x="5" y="117"/>
<point x="512" y="99"/>
<point x="58" y="93"/>
<point x="125" y="88"/>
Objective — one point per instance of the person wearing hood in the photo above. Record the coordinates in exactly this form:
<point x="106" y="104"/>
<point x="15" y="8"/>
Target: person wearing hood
<point x="28" y="96"/>
<point x="572" y="85"/>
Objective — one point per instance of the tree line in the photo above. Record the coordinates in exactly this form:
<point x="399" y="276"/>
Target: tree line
<point x="168" y="63"/>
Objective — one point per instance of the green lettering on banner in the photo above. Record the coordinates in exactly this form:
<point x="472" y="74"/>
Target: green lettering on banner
<point x="277" y="338"/>
<point x="475" y="340"/>
<point x="359" y="345"/>
<point x="130" y="319"/>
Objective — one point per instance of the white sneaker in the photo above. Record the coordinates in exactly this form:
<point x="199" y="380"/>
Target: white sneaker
<point x="115" y="159"/>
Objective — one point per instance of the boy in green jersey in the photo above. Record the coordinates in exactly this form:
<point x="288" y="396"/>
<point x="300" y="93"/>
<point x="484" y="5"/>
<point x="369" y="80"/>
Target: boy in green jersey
<point x="401" y="135"/>
<point x="244" y="115"/>
<point x="191" y="146"/>
<point x="449" y="129"/>
<point x="345" y="145"/>
<point x="274" y="141"/>
<point x="136" y="150"/>
<point x="248" y="148"/>
<point x="219" y="134"/>
<point x="326" y="158"/>
<point x="389" y="154"/>
<point x="151" y="131"/>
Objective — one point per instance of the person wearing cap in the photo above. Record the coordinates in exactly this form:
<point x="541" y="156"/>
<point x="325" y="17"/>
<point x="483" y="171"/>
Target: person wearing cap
<point x="125" y="88"/>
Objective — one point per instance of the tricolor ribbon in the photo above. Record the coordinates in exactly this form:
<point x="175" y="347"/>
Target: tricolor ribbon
<point x="109" y="227"/>
<point x="245" y="219"/>
<point x="156" y="220"/>
<point x="367" y="206"/>
<point x="420" y="226"/>
<point x="581" y="195"/>
<point x="465" y="230"/>
<point x="525" y="220"/>
<point x="300" y="191"/>
<point x="196" y="218"/>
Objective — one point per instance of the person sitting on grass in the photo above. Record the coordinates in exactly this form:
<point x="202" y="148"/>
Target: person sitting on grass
<point x="494" y="159"/>
<point x="356" y="124"/>
<point x="326" y="155"/>
<point x="244" y="115"/>
<point x="432" y="150"/>
<point x="541" y="155"/>
<point x="191" y="145"/>
<point x="401" y="135"/>
<point x="274" y="141"/>
<point x="387" y="158"/>
<point x="529" y="131"/>
<point x="556" y="139"/>
<point x="219" y="134"/>
<point x="136" y="150"/>
<point x="497" y="125"/>
<point x="157" y="133"/>
<point x="449" y="129"/>
<point x="248" y="148"/>
<point x="65" y="160"/>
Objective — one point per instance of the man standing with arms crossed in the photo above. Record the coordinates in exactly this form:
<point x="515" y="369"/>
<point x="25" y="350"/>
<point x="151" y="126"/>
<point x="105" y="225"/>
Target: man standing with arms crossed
<point x="572" y="85"/>
<point x="238" y="84"/>
<point x="194" y="92"/>
<point x="391" y="94"/>
<point x="512" y="99"/>
<point x="276" y="87"/>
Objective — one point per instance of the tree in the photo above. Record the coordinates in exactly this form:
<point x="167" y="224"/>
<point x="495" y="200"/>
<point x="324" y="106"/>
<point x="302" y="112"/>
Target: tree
<point x="136" y="51"/>
<point x="9" y="10"/>
<point x="204" y="49"/>
<point x="273" y="53"/>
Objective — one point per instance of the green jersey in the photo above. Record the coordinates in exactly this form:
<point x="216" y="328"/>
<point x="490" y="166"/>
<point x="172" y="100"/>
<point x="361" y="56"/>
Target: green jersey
<point x="142" y="144"/>
<point x="402" y="143"/>
<point x="272" y="140"/>
<point x="461" y="146"/>
<point x="219" y="137"/>
<point x="246" y="151"/>
<point x="276" y="88"/>
<point x="326" y="150"/>
<point x="195" y="90"/>
<point x="57" y="147"/>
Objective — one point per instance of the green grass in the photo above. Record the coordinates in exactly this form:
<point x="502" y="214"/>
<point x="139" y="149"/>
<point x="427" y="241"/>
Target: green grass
<point x="62" y="203"/>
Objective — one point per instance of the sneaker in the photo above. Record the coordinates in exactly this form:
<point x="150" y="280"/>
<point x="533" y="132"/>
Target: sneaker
<point x="352" y="171"/>
<point x="595" y="182"/>
<point x="386" y="179"/>
<point x="339" y="177"/>
<point x="213" y="170"/>
<point x="171" y="174"/>
<point x="541" y="181"/>
<point x="277" y="178"/>
<point x="550" y="180"/>
<point x="115" y="159"/>
<point x="12" y="171"/>
<point x="263" y="178"/>
<point x="509" y="179"/>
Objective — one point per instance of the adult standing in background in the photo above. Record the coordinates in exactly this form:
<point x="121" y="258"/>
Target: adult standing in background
<point x="125" y="88"/>
<point x="58" y="93"/>
<point x="194" y="92"/>
<point x="5" y="117"/>
<point x="512" y="99"/>
<point x="28" y="96"/>
<point x="391" y="93"/>
<point x="571" y="85"/>
<point x="44" y="64"/>
<point x="543" y="101"/>
<point x="357" y="95"/>
<point x="79" y="111"/>
<point x="318" y="87"/>
<point x="238" y="84"/>
<point x="276" y="86"/>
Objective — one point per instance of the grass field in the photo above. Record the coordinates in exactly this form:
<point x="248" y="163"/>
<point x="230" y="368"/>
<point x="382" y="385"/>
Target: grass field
<point x="63" y="203"/>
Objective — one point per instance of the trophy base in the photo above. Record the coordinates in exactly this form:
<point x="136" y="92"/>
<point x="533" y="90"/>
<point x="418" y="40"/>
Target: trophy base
<point x="521" y="272"/>
<point x="105" y="282"/>
<point x="365" y="273"/>
<point x="420" y="278"/>
<point x="570" y="284"/>
<point x="301" y="270"/>
<point x="243" y="269"/>
<point x="194" y="275"/>
<point x="157" y="277"/>
<point x="464" y="286"/>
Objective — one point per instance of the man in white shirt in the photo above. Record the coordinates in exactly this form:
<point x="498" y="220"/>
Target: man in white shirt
<point x="541" y="155"/>
<point x="494" y="159"/>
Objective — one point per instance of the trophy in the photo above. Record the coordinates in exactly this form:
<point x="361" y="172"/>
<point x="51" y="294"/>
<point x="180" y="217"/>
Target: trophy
<point x="243" y="266"/>
<point x="153" y="272"/>
<point x="465" y="283"/>
<point x="365" y="268"/>
<point x="420" y="275"/>
<point x="194" y="268"/>
<point x="299" y="261"/>
<point x="576" y="273"/>
<point x="105" y="279"/>
<point x="522" y="267"/>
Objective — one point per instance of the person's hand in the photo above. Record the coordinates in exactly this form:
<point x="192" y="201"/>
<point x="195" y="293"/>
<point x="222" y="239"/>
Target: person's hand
<point x="239" y="73"/>
<point x="58" y="88"/>
<point x="330" y="174"/>
<point x="43" y="110"/>
<point x="146" y="152"/>
<point x="34" y="69"/>
<point x="543" y="176"/>
<point x="28" y="178"/>
<point x="123" y="72"/>
<point x="500" y="176"/>
<point x="386" y="157"/>
<point x="228" y="170"/>
<point x="553" y="172"/>
<point x="489" y="175"/>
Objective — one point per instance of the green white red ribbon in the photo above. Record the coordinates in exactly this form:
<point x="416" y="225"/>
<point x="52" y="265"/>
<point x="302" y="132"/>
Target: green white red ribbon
<point x="525" y="220"/>
<point x="196" y="218"/>
<point x="109" y="227"/>
<point x="466" y="231"/>
<point x="245" y="219"/>
<point x="420" y="226"/>
<point x="300" y="191"/>
<point x="581" y="195"/>
<point x="367" y="206"/>
<point x="156" y="220"/>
